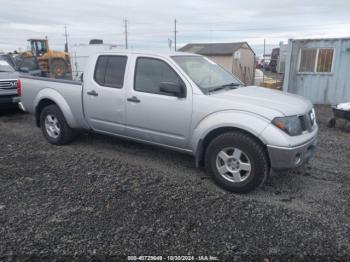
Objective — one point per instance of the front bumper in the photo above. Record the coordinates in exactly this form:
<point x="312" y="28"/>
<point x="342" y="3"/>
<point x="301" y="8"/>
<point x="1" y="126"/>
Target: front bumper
<point x="292" y="157"/>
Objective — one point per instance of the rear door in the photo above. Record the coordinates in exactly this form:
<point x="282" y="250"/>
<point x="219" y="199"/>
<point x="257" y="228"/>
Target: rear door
<point x="152" y="115"/>
<point x="104" y="94"/>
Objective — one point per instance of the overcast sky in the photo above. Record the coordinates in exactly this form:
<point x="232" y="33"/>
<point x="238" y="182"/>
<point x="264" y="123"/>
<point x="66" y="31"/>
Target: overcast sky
<point x="151" y="23"/>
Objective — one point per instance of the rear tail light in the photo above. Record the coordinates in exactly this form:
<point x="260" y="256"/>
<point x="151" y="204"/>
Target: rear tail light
<point x="19" y="90"/>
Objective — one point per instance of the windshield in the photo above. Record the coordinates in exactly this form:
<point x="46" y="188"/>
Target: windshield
<point x="5" y="67"/>
<point x="206" y="74"/>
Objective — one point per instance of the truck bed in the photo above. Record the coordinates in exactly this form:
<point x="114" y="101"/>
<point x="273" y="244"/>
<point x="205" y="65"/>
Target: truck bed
<point x="68" y="93"/>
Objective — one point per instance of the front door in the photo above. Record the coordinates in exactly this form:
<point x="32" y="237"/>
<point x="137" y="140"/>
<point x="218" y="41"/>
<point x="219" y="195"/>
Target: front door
<point x="104" y="95"/>
<point x="153" y="115"/>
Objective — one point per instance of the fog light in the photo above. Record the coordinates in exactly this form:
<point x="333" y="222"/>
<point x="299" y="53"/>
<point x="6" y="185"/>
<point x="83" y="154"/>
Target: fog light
<point x="297" y="159"/>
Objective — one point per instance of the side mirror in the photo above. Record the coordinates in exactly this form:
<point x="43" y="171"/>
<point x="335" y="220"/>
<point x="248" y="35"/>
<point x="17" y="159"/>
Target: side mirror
<point x="172" y="89"/>
<point x="24" y="69"/>
<point x="82" y="77"/>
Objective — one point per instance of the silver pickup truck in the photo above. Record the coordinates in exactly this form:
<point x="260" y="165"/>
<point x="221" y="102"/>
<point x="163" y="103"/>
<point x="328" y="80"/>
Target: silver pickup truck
<point x="184" y="102"/>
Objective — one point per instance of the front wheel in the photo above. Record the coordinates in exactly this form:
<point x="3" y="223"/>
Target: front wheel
<point x="331" y="122"/>
<point x="54" y="126"/>
<point x="347" y="127"/>
<point x="237" y="162"/>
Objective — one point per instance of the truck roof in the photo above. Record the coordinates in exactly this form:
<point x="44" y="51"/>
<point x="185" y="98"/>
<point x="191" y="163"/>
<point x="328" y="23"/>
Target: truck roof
<point x="148" y="52"/>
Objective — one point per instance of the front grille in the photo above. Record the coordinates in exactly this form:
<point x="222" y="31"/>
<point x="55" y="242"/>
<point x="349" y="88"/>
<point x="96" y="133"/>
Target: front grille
<point x="8" y="84"/>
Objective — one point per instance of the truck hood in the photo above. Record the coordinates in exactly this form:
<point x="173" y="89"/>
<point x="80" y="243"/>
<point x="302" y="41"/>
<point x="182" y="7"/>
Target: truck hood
<point x="285" y="103"/>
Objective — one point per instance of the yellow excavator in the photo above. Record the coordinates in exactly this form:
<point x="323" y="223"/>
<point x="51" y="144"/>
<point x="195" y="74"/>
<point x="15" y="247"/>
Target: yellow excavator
<point x="53" y="64"/>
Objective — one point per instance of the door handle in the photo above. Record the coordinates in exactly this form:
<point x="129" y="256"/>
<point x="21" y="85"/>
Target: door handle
<point x="92" y="93"/>
<point x="134" y="99"/>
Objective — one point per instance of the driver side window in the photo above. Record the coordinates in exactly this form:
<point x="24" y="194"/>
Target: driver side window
<point x="150" y="72"/>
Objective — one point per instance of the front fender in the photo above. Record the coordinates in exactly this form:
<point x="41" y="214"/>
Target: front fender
<point x="59" y="100"/>
<point x="249" y="122"/>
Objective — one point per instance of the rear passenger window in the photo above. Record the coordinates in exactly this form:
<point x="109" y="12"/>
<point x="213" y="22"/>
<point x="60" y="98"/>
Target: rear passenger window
<point x="100" y="69"/>
<point x="110" y="71"/>
<point x="150" y="72"/>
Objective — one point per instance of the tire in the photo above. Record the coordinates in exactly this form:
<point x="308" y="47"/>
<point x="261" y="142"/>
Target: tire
<point x="54" y="126"/>
<point x="347" y="127"/>
<point x="331" y="122"/>
<point x="247" y="159"/>
<point x="58" y="68"/>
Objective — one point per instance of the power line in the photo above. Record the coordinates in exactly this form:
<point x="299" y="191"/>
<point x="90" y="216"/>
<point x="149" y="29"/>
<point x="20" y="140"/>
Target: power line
<point x="262" y="28"/>
<point x="245" y="29"/>
<point x="161" y="33"/>
<point x="198" y="30"/>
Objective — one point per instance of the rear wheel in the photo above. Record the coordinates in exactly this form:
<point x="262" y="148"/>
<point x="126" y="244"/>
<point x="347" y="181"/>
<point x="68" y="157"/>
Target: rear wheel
<point x="54" y="126"/>
<point x="58" y="68"/>
<point x="237" y="162"/>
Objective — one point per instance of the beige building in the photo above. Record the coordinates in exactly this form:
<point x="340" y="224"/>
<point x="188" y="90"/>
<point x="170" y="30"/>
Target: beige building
<point x="238" y="58"/>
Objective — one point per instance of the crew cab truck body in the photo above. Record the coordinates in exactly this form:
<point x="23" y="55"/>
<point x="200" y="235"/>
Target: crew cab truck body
<point x="184" y="102"/>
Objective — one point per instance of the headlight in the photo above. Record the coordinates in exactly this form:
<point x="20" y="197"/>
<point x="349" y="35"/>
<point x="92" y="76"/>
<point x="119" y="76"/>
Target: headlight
<point x="313" y="116"/>
<point x="289" y="124"/>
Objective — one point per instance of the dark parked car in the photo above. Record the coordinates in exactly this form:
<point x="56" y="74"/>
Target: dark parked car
<point x="10" y="59"/>
<point x="10" y="85"/>
<point x="24" y="65"/>
<point x="27" y="65"/>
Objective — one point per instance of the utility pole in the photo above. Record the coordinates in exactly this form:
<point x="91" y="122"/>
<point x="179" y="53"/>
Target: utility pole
<point x="126" y="33"/>
<point x="169" y="43"/>
<point x="175" y="35"/>
<point x="264" y="61"/>
<point x="66" y="35"/>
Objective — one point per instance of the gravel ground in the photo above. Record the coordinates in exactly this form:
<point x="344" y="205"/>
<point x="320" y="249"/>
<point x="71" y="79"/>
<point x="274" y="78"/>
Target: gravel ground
<point x="103" y="195"/>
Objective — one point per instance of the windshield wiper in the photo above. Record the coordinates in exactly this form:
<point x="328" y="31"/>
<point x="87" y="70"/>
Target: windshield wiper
<point x="231" y="85"/>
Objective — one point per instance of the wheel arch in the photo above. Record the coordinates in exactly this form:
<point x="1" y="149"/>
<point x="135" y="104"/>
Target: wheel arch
<point x="204" y="143"/>
<point x="51" y="97"/>
<point x="52" y="59"/>
<point x="243" y="122"/>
